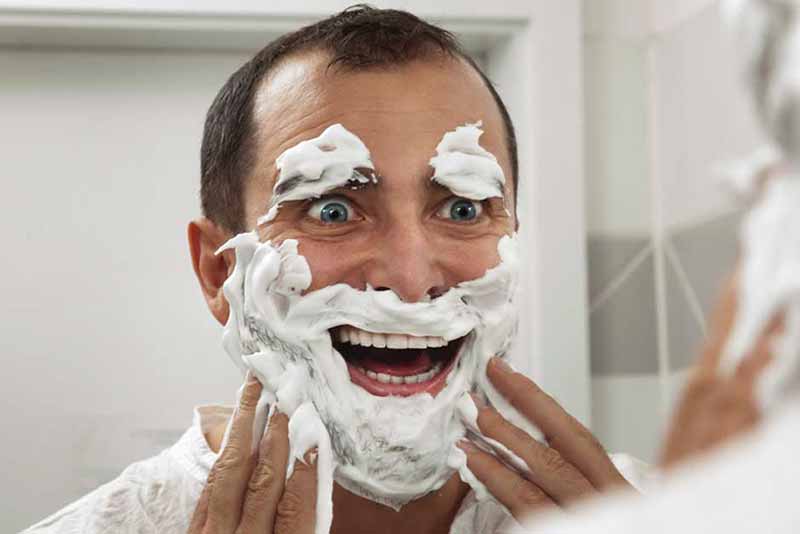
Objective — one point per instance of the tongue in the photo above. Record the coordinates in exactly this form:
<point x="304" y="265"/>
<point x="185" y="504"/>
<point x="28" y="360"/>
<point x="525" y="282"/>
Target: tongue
<point x="406" y="366"/>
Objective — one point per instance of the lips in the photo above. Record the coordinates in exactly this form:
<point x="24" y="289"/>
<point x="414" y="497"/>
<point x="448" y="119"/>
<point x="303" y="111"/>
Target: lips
<point x="396" y="364"/>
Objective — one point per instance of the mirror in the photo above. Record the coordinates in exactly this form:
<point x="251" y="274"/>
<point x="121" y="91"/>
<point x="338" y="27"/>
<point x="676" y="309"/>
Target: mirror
<point x="665" y="108"/>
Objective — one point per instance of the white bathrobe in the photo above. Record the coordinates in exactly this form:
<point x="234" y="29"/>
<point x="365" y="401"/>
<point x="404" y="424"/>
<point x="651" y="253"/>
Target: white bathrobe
<point x="159" y="495"/>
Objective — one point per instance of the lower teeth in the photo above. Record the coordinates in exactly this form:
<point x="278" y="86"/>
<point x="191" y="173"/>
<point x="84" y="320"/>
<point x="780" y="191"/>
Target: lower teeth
<point x="393" y="379"/>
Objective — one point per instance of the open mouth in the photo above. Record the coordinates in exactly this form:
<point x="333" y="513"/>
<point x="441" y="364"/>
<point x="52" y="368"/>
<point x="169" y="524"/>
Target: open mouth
<point x="396" y="364"/>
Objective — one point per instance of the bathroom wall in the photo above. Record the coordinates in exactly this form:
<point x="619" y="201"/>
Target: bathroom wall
<point x="664" y="107"/>
<point x="105" y="341"/>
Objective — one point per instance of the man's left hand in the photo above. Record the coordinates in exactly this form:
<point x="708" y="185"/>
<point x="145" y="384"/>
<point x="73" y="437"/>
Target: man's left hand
<point x="571" y="464"/>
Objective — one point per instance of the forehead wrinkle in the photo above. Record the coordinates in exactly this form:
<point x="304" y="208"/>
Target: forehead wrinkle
<point x="310" y="126"/>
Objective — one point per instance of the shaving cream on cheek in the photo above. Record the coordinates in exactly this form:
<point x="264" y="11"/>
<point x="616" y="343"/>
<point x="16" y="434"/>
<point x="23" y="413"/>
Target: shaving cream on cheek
<point x="389" y="449"/>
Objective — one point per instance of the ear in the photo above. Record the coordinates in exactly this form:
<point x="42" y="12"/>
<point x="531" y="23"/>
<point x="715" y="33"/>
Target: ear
<point x="205" y="238"/>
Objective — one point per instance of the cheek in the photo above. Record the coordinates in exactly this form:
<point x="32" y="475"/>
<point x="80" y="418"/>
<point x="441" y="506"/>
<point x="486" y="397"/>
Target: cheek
<point x="331" y="263"/>
<point x="468" y="259"/>
<point x="456" y="260"/>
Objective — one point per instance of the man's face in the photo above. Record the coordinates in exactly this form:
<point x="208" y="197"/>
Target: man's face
<point x="399" y="260"/>
<point x="400" y="234"/>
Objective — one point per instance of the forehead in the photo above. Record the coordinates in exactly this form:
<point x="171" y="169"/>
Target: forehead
<point x="400" y="113"/>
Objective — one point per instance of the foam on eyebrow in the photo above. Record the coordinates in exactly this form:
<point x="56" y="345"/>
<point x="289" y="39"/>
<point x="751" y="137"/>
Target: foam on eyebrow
<point x="467" y="169"/>
<point x="311" y="168"/>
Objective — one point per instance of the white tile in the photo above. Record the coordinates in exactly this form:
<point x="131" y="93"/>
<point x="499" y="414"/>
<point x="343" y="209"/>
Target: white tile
<point x="626" y="414"/>
<point x="101" y="297"/>
<point x="617" y="185"/>
<point x="667" y="15"/>
<point x="702" y="118"/>
<point x="621" y="19"/>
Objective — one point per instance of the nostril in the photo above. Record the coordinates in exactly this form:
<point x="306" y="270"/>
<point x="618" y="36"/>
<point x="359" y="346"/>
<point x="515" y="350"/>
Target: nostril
<point x="436" y="292"/>
<point x="382" y="288"/>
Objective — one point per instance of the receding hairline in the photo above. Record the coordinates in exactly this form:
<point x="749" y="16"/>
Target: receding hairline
<point x="325" y="68"/>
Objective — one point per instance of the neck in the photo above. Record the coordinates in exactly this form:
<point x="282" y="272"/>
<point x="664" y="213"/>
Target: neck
<point x="430" y="514"/>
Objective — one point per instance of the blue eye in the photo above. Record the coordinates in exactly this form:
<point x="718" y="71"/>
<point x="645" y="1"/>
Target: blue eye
<point x="461" y="210"/>
<point x="330" y="211"/>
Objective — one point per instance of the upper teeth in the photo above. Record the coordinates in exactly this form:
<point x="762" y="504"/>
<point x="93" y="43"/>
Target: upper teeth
<point x="356" y="336"/>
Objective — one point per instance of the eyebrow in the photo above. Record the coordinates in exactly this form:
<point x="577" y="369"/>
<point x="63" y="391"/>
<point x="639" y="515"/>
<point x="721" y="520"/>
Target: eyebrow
<point x="362" y="177"/>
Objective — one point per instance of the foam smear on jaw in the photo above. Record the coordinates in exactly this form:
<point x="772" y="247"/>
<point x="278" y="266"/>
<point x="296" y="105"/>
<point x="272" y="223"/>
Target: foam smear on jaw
<point x="769" y="281"/>
<point x="387" y="449"/>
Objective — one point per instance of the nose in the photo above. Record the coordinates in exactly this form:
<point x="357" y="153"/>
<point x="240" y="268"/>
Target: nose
<point x="405" y="262"/>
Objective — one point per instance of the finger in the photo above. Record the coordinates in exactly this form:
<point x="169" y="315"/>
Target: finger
<point x="241" y="434"/>
<point x="519" y="495"/>
<point x="562" y="431"/>
<point x="721" y="324"/>
<point x="752" y="366"/>
<point x="267" y="481"/>
<point x="200" y="513"/>
<point x="228" y="478"/>
<point x="548" y="469"/>
<point x="297" y="508"/>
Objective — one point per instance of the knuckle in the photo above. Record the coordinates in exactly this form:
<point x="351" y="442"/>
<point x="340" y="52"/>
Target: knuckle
<point x="250" y="395"/>
<point x="585" y="435"/>
<point x="553" y="460"/>
<point x="492" y="423"/>
<point x="263" y="477"/>
<point x="213" y="476"/>
<point x="248" y="403"/>
<point x="517" y="433"/>
<point x="233" y="461"/>
<point x="290" y="507"/>
<point x="528" y="495"/>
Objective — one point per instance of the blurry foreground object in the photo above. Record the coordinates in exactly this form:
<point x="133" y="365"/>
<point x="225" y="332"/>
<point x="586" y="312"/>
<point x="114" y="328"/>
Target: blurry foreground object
<point x="746" y="382"/>
<point x="716" y="407"/>
<point x="769" y="278"/>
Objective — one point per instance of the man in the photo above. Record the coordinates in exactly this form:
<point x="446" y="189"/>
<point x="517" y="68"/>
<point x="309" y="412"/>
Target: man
<point x="389" y="87"/>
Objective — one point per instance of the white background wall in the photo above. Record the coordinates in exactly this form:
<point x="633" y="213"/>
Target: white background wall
<point x="105" y="338"/>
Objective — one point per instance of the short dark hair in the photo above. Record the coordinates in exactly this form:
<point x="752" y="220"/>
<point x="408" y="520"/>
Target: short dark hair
<point x="360" y="37"/>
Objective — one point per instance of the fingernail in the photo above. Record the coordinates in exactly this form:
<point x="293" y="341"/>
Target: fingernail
<point x="466" y="446"/>
<point x="278" y="418"/>
<point x="252" y="379"/>
<point x="480" y="403"/>
<point x="502" y="365"/>
<point x="311" y="456"/>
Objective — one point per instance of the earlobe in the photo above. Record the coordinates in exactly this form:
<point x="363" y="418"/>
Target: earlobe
<point x="211" y="269"/>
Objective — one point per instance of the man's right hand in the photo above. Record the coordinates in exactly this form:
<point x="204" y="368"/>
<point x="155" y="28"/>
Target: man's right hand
<point x="714" y="407"/>
<point x="246" y="491"/>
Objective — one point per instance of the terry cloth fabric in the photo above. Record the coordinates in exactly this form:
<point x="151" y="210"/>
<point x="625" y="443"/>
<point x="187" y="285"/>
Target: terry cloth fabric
<point x="159" y="495"/>
<point x="748" y="486"/>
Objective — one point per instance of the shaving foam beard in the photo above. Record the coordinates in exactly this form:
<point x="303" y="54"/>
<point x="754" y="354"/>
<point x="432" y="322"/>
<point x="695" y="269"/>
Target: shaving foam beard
<point x="388" y="449"/>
